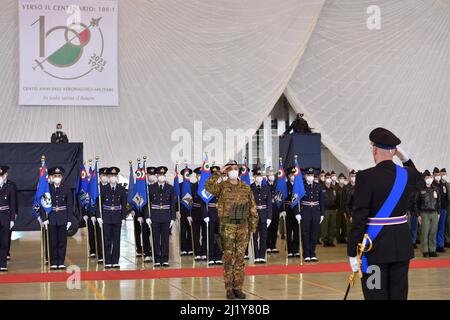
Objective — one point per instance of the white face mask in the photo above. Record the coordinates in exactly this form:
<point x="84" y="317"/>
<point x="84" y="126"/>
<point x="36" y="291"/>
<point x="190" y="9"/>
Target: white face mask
<point x="444" y="177"/>
<point x="328" y="180"/>
<point x="57" y="180"/>
<point x="341" y="181"/>
<point x="309" y="179"/>
<point x="345" y="182"/>
<point x="437" y="178"/>
<point x="429" y="181"/>
<point x="292" y="178"/>
<point x="353" y="179"/>
<point x="258" y="179"/>
<point x="271" y="178"/>
<point x="113" y="180"/>
<point x="151" y="178"/>
<point x="333" y="178"/>
<point x="104" y="179"/>
<point x="2" y="180"/>
<point x="194" y="179"/>
<point x="162" y="179"/>
<point x="233" y="174"/>
<point x="322" y="178"/>
<point x="316" y="180"/>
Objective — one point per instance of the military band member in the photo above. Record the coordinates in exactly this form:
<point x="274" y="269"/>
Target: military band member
<point x="263" y="200"/>
<point x="311" y="210"/>
<point x="57" y="221"/>
<point x="8" y="207"/>
<point x="293" y="218"/>
<point x="185" y="223"/>
<point x="114" y="211"/>
<point x="198" y="224"/>
<point x="381" y="199"/>
<point x="162" y="216"/>
<point x="272" y="231"/>
<point x="238" y="219"/>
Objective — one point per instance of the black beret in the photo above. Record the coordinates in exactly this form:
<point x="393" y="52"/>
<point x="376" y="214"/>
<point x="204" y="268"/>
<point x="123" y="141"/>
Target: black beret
<point x="161" y="170"/>
<point x="3" y="169"/>
<point x="198" y="170"/>
<point x="426" y="173"/>
<point x="103" y="170"/>
<point x="384" y="139"/>
<point x="186" y="170"/>
<point x="290" y="170"/>
<point x="257" y="171"/>
<point x="353" y="171"/>
<point x="113" y="170"/>
<point x="341" y="175"/>
<point x="443" y="170"/>
<point x="215" y="169"/>
<point x="436" y="170"/>
<point x="151" y="170"/>
<point x="56" y="170"/>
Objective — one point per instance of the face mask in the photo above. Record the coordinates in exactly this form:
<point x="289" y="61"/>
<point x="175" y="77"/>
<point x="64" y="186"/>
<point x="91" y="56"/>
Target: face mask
<point x="58" y="130"/>
<point x="104" y="179"/>
<point x="194" y="179"/>
<point x="309" y="179"/>
<point x="233" y="174"/>
<point x="333" y="178"/>
<point x="113" y="180"/>
<point x="292" y="178"/>
<point x="316" y="180"/>
<point x="322" y="178"/>
<point x="353" y="179"/>
<point x="258" y="179"/>
<point x="444" y="178"/>
<point x="429" y="181"/>
<point x="162" y="179"/>
<point x="328" y="180"/>
<point x="341" y="181"/>
<point x="437" y="178"/>
<point x="271" y="178"/>
<point x="57" y="180"/>
<point x="2" y="180"/>
<point x="345" y="182"/>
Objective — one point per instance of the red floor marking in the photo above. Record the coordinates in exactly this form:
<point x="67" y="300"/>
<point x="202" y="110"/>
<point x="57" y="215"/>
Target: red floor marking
<point x="198" y="272"/>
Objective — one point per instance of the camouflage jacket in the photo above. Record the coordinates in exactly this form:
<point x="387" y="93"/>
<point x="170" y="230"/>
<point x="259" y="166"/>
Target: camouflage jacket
<point x="231" y="199"/>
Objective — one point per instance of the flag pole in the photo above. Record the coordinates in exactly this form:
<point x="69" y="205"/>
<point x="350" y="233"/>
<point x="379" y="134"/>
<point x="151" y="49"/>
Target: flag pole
<point x="46" y="226"/>
<point x="148" y="206"/>
<point x="97" y="158"/>
<point x="134" y="228"/>
<point x="42" y="234"/>
<point x="300" y="244"/>
<point x="87" y="222"/>
<point x="141" y="224"/>
<point x="207" y="223"/>
<point x="191" y="222"/>
<point x="179" y="210"/>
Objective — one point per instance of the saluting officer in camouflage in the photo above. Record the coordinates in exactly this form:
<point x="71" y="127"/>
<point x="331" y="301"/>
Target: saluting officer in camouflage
<point x="238" y="218"/>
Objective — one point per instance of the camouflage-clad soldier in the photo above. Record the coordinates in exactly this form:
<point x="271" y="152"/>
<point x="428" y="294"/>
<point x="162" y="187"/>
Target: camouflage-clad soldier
<point x="236" y="209"/>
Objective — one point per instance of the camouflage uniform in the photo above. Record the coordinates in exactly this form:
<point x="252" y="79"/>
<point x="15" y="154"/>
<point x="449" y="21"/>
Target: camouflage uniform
<point x="236" y="209"/>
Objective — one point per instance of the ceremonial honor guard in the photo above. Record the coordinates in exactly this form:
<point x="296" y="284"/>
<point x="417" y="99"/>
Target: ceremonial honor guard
<point x="379" y="218"/>
<point x="311" y="210"/>
<point x="198" y="224"/>
<point x="114" y="210"/>
<point x="210" y="216"/>
<point x="442" y="187"/>
<point x="162" y="216"/>
<point x="272" y="231"/>
<point x="8" y="201"/>
<point x="58" y="220"/>
<point x="329" y="222"/>
<point x="349" y="198"/>
<point x="292" y="218"/>
<point x="263" y="200"/>
<point x="185" y="222"/>
<point x="341" y="223"/>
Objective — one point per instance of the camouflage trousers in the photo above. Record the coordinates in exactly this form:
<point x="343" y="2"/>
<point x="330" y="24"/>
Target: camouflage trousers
<point x="234" y="241"/>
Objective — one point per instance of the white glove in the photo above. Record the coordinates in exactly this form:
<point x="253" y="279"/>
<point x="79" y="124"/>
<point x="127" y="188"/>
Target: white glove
<point x="401" y="154"/>
<point x="85" y="218"/>
<point x="11" y="225"/>
<point x="298" y="217"/>
<point x="40" y="220"/>
<point x="140" y="220"/>
<point x="189" y="219"/>
<point x="206" y="220"/>
<point x="268" y="222"/>
<point x="354" y="263"/>
<point x="171" y="224"/>
<point x="149" y="222"/>
<point x="68" y="225"/>
<point x="93" y="219"/>
<point x="283" y="214"/>
<point x="178" y="214"/>
<point x="321" y="219"/>
<point x="45" y="224"/>
<point x="100" y="221"/>
<point x="123" y="222"/>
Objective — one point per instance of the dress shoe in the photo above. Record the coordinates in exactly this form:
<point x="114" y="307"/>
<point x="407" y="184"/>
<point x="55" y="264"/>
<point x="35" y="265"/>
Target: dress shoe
<point x="307" y="259"/>
<point x="425" y="254"/>
<point x="433" y="254"/>
<point x="218" y="262"/>
<point x="61" y="266"/>
<point x="165" y="264"/>
<point x="239" y="294"/>
<point x="147" y="259"/>
<point x="230" y="294"/>
<point x="275" y="251"/>
<point x="157" y="264"/>
<point x="116" y="266"/>
<point x="108" y="266"/>
<point x="53" y="266"/>
<point x="314" y="259"/>
<point x="3" y="269"/>
<point x="440" y="249"/>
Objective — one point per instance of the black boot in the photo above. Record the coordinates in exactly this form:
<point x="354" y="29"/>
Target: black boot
<point x="230" y="294"/>
<point x="239" y="294"/>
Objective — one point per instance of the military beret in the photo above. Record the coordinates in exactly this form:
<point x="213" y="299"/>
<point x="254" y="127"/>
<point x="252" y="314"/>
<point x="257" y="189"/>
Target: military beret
<point x="215" y="169"/>
<point x="161" y="170"/>
<point x="56" y="170"/>
<point x="310" y="171"/>
<point x="384" y="139"/>
<point x="257" y="171"/>
<point x="327" y="174"/>
<point x="322" y="172"/>
<point x="198" y="170"/>
<point x="332" y="172"/>
<point x="426" y="173"/>
<point x="3" y="169"/>
<point x="353" y="171"/>
<point x="186" y="170"/>
<point x="270" y="170"/>
<point x="103" y="170"/>
<point x="436" y="170"/>
<point x="231" y="163"/>
<point x="443" y="170"/>
<point x="113" y="170"/>
<point x="341" y="175"/>
<point x="151" y="170"/>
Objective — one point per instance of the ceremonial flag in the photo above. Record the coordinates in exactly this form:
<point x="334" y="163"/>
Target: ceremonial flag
<point x="281" y="187"/>
<point x="93" y="185"/>
<point x="245" y="176"/>
<point x="205" y="175"/>
<point x="42" y="198"/>
<point x="176" y="182"/>
<point x="83" y="186"/>
<point x="131" y="183"/>
<point x="139" y="192"/>
<point x="186" y="193"/>
<point x="298" y="189"/>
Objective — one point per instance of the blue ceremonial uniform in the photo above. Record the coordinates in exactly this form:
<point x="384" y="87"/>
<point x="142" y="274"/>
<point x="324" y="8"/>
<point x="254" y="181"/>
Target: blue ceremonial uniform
<point x="311" y="209"/>
<point x="163" y="210"/>
<point x="210" y="211"/>
<point x="8" y="200"/>
<point x="198" y="225"/>
<point x="263" y="200"/>
<point x="114" y="210"/>
<point x="272" y="231"/>
<point x="292" y="232"/>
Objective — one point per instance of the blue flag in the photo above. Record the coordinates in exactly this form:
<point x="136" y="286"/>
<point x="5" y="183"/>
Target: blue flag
<point x="245" y="176"/>
<point x="186" y="192"/>
<point x="83" y="187"/>
<point x="176" y="183"/>
<point x="42" y="198"/>
<point x="205" y="175"/>
<point x="93" y="185"/>
<point x="139" y="192"/>
<point x="281" y="188"/>
<point x="298" y="189"/>
<point x="131" y="183"/>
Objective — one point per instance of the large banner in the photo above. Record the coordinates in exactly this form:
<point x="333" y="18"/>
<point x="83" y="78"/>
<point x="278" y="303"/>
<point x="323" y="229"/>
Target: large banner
<point x="68" y="52"/>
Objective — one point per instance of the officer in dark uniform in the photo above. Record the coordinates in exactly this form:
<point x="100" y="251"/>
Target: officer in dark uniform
<point x="311" y="210"/>
<point x="392" y="248"/>
<point x="185" y="222"/>
<point x="114" y="210"/>
<point x="58" y="220"/>
<point x="162" y="216"/>
<point x="59" y="136"/>
<point x="210" y="216"/>
<point x="8" y="207"/>
<point x="198" y="224"/>
<point x="441" y="186"/>
<point x="263" y="199"/>
<point x="299" y="125"/>
<point x="350" y="193"/>
<point x="341" y="224"/>
<point x="272" y="231"/>
<point x="292" y="218"/>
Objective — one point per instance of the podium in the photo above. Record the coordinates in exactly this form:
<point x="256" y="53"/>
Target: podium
<point x="24" y="160"/>
<point x="306" y="146"/>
